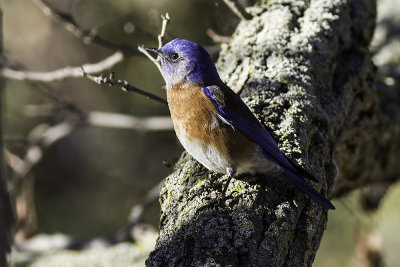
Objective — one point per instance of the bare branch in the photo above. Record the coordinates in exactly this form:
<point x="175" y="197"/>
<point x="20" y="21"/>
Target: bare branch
<point x="218" y="38"/>
<point x="67" y="72"/>
<point x="143" y="50"/>
<point x="107" y="119"/>
<point x="87" y="36"/>
<point x="57" y="96"/>
<point x="60" y="241"/>
<point x="137" y="210"/>
<point x="121" y="121"/>
<point x="110" y="80"/>
<point x="41" y="137"/>
<point x="165" y="19"/>
<point x="17" y="164"/>
<point x="238" y="9"/>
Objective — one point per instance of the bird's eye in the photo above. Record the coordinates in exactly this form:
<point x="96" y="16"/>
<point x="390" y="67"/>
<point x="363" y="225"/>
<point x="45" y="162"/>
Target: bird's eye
<point x="174" y="56"/>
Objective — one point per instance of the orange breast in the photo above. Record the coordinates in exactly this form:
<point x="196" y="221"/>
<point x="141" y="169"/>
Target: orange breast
<point x="195" y="118"/>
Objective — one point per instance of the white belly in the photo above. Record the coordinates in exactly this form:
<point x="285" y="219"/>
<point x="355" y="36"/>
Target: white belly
<point x="207" y="155"/>
<point x="215" y="161"/>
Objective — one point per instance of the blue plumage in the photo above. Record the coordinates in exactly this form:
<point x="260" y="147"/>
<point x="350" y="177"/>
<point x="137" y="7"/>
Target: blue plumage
<point x="215" y="126"/>
<point x="258" y="134"/>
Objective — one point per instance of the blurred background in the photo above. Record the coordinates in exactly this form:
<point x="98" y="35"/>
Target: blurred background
<point x="85" y="184"/>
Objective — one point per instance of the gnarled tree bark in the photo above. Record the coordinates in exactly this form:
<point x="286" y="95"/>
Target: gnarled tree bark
<point x="304" y="69"/>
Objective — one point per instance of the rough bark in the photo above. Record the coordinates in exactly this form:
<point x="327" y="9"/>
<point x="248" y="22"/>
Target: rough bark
<point x="5" y="209"/>
<point x="305" y="70"/>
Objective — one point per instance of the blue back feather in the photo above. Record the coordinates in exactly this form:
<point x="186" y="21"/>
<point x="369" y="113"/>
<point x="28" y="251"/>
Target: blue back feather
<point x="198" y="69"/>
<point x="258" y="134"/>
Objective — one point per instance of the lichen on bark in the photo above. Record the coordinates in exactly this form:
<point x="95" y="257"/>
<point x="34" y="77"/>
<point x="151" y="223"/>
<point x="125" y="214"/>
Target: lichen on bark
<point x="305" y="71"/>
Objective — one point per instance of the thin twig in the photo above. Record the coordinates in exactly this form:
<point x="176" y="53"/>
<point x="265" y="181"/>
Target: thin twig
<point x="137" y="211"/>
<point x="66" y="242"/>
<point x="63" y="73"/>
<point x="17" y="164"/>
<point x="122" y="121"/>
<point x="55" y="95"/>
<point x="165" y="19"/>
<point x="46" y="136"/>
<point x="157" y="63"/>
<point x="238" y="9"/>
<point x="41" y="137"/>
<point x="110" y="80"/>
<point x="106" y="119"/>
<point x="87" y="36"/>
<point x="217" y="38"/>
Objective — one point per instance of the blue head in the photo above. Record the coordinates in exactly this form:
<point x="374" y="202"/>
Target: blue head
<point x="182" y="60"/>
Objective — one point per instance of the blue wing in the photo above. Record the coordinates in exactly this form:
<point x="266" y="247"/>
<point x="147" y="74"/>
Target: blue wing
<point x="233" y="110"/>
<point x="252" y="128"/>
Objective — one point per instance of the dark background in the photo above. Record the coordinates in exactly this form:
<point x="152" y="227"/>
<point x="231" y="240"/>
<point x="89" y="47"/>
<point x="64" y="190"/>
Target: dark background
<point x="86" y="183"/>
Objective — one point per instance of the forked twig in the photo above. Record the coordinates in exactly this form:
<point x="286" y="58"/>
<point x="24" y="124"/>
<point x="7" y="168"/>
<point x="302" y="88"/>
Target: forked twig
<point x="238" y="9"/>
<point x="165" y="20"/>
<point x="110" y="80"/>
<point x="63" y="73"/>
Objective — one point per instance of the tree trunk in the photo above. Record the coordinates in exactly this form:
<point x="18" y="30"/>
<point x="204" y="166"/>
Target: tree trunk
<point x="304" y="69"/>
<point x="5" y="209"/>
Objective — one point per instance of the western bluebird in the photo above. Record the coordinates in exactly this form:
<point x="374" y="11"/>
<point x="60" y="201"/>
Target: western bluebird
<point x="215" y="126"/>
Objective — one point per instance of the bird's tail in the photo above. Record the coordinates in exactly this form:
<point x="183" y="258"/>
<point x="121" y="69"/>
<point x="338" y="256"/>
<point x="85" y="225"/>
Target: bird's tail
<point x="308" y="189"/>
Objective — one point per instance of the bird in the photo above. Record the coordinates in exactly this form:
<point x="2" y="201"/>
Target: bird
<point x="215" y="126"/>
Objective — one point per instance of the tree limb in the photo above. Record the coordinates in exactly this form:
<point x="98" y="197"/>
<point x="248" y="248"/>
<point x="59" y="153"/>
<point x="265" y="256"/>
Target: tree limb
<point x="216" y="37"/>
<point x="107" y="119"/>
<point x="122" y="121"/>
<point x="87" y="36"/>
<point x="43" y="243"/>
<point x="41" y="137"/>
<point x="165" y="20"/>
<point x="6" y="215"/>
<point x="110" y="80"/>
<point x="63" y="73"/>
<point x="238" y="9"/>
<point x="312" y="84"/>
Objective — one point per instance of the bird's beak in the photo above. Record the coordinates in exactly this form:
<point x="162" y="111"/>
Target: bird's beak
<point x="155" y="51"/>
